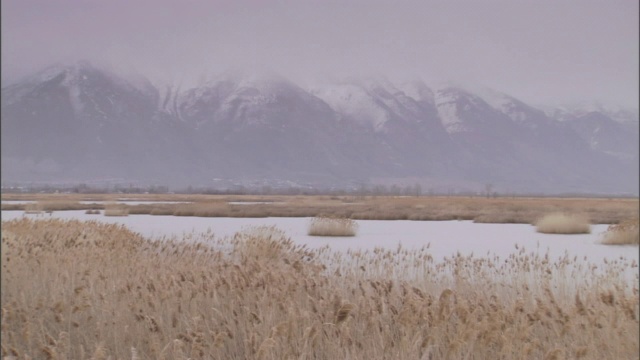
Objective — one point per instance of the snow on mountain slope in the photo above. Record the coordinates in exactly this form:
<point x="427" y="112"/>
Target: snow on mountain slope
<point x="246" y="98"/>
<point x="462" y="111"/>
<point x="377" y="103"/>
<point x="505" y="104"/>
<point x="519" y="112"/>
<point x="354" y="103"/>
<point x="92" y="92"/>
<point x="403" y="107"/>
<point x="626" y="116"/>
<point x="256" y="125"/>
<point x="419" y="91"/>
<point x="605" y="134"/>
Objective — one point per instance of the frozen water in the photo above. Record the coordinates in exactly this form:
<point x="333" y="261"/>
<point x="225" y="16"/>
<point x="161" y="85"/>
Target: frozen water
<point x="445" y="238"/>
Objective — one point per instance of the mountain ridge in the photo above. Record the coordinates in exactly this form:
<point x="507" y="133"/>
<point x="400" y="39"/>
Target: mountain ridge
<point x="81" y="121"/>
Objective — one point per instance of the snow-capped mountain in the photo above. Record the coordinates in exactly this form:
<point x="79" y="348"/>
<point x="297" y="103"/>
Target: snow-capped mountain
<point x="419" y="91"/>
<point x="81" y="122"/>
<point x="76" y="120"/>
<point x="619" y="114"/>
<point x="402" y="131"/>
<point x="604" y="134"/>
<point x="264" y="125"/>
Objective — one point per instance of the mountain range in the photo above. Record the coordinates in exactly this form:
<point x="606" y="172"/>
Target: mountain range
<point x="81" y="123"/>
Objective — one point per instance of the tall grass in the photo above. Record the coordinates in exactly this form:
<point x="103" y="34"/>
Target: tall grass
<point x="91" y="290"/>
<point x="113" y="209"/>
<point x="33" y="208"/>
<point x="332" y="226"/>
<point x="478" y="209"/>
<point x="625" y="233"/>
<point x="562" y="223"/>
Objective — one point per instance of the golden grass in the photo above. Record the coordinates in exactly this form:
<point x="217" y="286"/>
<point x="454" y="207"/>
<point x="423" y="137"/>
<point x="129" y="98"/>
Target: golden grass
<point x="479" y="209"/>
<point x="332" y="226"/>
<point x="33" y="208"/>
<point x="112" y="209"/>
<point x="625" y="233"/>
<point x="76" y="290"/>
<point x="563" y="223"/>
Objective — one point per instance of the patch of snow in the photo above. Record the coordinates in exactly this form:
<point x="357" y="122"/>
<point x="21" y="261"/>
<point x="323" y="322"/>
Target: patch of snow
<point x="47" y="74"/>
<point x="564" y="112"/>
<point x="71" y="81"/>
<point x="496" y="99"/>
<point x="418" y="91"/>
<point x="354" y="102"/>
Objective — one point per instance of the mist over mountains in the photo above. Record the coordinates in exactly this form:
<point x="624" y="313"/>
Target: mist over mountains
<point x="80" y="123"/>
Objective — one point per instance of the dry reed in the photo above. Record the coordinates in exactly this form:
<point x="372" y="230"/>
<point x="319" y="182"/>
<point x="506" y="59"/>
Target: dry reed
<point x="78" y="290"/>
<point x="478" y="209"/>
<point x="625" y="233"/>
<point x="562" y="223"/>
<point x="113" y="209"/>
<point x="332" y="226"/>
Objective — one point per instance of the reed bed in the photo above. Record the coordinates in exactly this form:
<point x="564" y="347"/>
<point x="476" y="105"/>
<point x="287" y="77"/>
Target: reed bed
<point x="478" y="209"/>
<point x="33" y="208"/>
<point x="83" y="290"/>
<point x="114" y="209"/>
<point x="563" y="223"/>
<point x="332" y="226"/>
<point x="625" y="233"/>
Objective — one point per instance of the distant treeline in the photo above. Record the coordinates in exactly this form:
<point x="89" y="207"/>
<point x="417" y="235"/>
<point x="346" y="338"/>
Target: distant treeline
<point x="359" y="190"/>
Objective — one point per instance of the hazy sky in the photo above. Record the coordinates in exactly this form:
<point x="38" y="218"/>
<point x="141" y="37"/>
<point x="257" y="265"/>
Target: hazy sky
<point x="543" y="51"/>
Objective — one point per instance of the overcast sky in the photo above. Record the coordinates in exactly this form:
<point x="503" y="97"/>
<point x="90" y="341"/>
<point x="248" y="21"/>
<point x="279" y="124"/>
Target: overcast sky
<point x="543" y="51"/>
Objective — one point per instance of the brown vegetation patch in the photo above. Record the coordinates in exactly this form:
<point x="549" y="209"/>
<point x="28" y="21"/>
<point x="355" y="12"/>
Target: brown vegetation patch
<point x="80" y="290"/>
<point x="332" y="226"/>
<point x="113" y="209"/>
<point x="562" y="223"/>
<point x="478" y="209"/>
<point x="624" y="233"/>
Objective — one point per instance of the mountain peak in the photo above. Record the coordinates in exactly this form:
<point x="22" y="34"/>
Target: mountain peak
<point x="418" y="90"/>
<point x="255" y="123"/>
